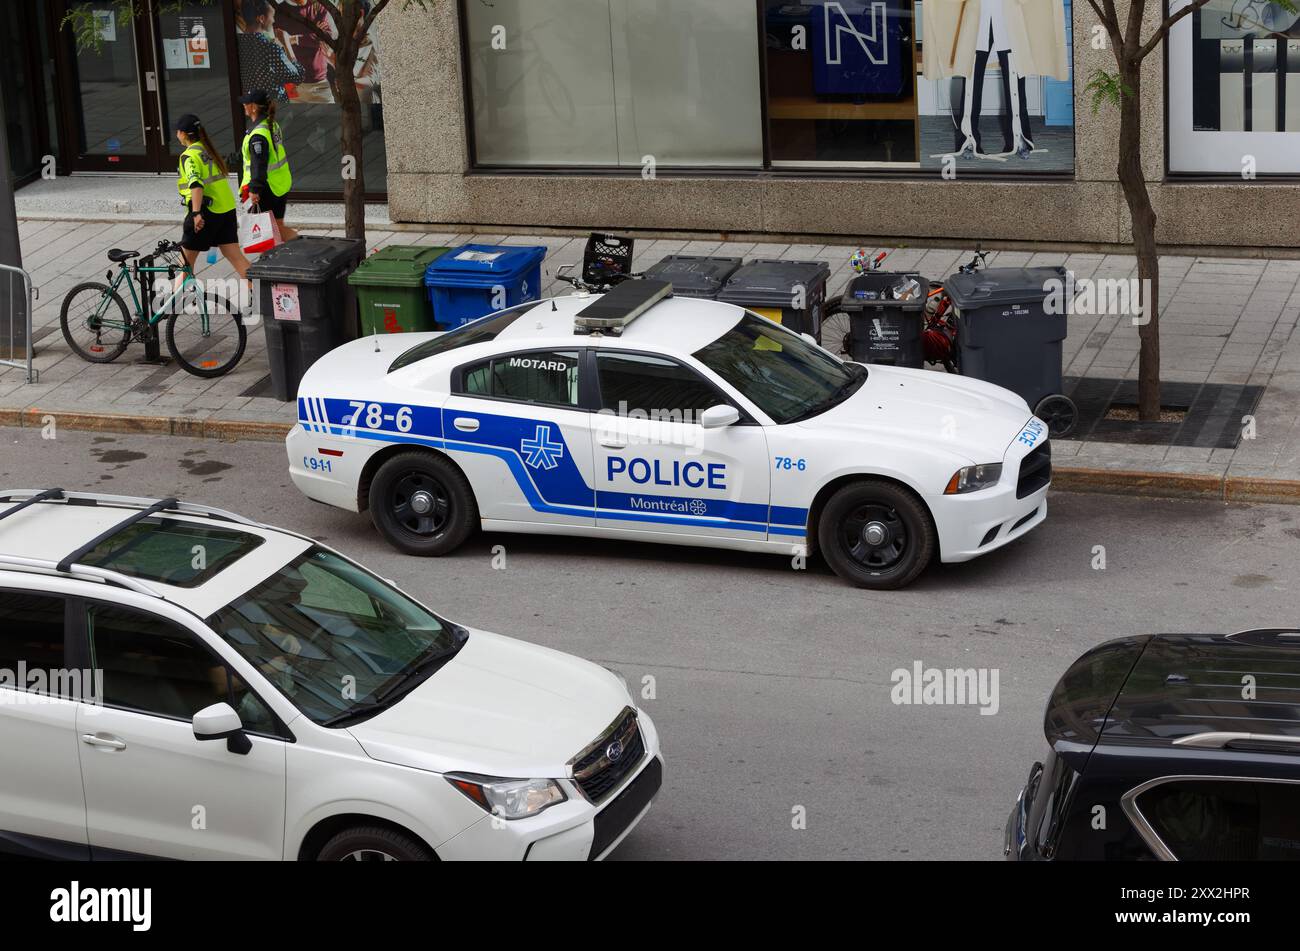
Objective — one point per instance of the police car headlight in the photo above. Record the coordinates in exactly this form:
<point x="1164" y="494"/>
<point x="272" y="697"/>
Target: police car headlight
<point x="974" y="478"/>
<point x="509" y="798"/>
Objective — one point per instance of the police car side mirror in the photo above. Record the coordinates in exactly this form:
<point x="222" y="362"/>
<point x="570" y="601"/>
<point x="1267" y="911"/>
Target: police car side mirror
<point x="809" y="338"/>
<point x="716" y="417"/>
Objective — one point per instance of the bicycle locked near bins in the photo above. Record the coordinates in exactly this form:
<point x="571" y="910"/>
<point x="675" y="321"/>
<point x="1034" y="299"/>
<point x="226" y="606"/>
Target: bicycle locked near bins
<point x="205" y="333"/>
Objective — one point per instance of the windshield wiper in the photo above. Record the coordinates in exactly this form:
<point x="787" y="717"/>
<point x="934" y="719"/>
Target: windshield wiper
<point x="842" y="392"/>
<point x="418" y="671"/>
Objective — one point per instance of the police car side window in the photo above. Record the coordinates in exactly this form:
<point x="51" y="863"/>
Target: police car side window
<point x="660" y="388"/>
<point x="537" y="376"/>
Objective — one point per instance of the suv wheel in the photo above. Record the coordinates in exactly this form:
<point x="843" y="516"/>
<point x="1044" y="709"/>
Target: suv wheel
<point x="374" y="844"/>
<point x="422" y="504"/>
<point x="876" y="534"/>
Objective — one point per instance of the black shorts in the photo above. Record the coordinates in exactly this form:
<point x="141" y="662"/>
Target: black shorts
<point x="276" y="206"/>
<point x="217" y="230"/>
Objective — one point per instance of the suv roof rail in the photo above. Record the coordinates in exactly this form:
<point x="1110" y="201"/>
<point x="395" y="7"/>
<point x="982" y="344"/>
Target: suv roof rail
<point x="31" y="496"/>
<point x="68" y="560"/>
<point x="81" y="571"/>
<point x="1217" y="740"/>
<point x="41" y="496"/>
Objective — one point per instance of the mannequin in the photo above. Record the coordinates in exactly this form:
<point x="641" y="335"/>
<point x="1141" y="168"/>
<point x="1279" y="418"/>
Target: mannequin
<point x="1028" y="38"/>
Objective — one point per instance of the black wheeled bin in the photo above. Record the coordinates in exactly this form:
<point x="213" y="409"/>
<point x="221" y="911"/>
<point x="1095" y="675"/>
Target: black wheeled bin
<point x="308" y="307"/>
<point x="792" y="293"/>
<point x="693" y="275"/>
<point x="1004" y="331"/>
<point x="883" y="329"/>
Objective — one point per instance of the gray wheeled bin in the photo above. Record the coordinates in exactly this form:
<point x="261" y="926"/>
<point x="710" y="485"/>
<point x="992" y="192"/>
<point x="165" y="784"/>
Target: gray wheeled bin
<point x="307" y="306"/>
<point x="1007" y="337"/>
<point x="792" y="293"/>
<point x="693" y="275"/>
<point x="881" y="329"/>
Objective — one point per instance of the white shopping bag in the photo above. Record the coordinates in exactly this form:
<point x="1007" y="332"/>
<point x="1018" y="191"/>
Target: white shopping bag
<point x="258" y="233"/>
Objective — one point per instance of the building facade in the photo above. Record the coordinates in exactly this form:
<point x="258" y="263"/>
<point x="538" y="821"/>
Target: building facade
<point x="893" y="119"/>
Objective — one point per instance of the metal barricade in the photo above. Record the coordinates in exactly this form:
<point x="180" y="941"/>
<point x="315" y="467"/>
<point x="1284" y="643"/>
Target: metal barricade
<point x="9" y="348"/>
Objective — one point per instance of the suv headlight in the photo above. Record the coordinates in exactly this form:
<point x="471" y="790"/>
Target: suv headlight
<point x="509" y="798"/>
<point x="974" y="478"/>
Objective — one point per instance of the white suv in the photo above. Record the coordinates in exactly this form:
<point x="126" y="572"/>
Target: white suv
<point x="180" y="682"/>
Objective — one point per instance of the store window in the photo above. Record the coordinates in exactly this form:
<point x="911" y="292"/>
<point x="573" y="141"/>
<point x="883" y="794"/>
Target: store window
<point x="279" y="54"/>
<point x="967" y="85"/>
<point x="620" y="83"/>
<point x="1234" y="90"/>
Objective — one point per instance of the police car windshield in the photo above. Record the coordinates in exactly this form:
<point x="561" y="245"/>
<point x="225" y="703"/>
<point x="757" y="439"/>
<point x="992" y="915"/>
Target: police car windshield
<point x="784" y="375"/>
<point x="479" y="331"/>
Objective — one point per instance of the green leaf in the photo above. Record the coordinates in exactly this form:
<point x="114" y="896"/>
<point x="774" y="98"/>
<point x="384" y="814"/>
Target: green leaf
<point x="1106" y="89"/>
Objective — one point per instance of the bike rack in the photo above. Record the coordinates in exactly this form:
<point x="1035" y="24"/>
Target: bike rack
<point x="32" y="374"/>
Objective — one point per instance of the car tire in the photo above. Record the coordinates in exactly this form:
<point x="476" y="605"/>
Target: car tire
<point x="399" y="512"/>
<point x="374" y="844"/>
<point x="901" y="539"/>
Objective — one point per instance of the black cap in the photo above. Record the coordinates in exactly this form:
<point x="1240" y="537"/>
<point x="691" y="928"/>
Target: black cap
<point x="255" y="97"/>
<point x="189" y="124"/>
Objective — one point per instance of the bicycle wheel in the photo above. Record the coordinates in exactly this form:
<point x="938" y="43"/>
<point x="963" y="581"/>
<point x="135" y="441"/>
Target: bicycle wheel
<point x="207" y="341"/>
<point x="834" y="335"/>
<point x="95" y="323"/>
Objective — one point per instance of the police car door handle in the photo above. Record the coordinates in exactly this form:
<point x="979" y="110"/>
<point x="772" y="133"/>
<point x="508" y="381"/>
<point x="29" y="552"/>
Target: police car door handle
<point x="609" y="442"/>
<point x="465" y="424"/>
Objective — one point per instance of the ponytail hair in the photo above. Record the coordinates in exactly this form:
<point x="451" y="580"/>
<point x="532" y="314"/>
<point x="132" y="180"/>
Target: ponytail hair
<point x="215" y="157"/>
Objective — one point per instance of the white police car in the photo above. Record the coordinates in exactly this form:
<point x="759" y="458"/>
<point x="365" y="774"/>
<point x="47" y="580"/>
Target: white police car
<point x="642" y="416"/>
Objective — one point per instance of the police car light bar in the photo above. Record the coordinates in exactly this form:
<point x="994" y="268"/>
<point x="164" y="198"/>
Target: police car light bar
<point x="620" y="306"/>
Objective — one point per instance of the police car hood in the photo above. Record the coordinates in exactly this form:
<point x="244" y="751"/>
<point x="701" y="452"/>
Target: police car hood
<point x="972" y="418"/>
<point x="501" y="707"/>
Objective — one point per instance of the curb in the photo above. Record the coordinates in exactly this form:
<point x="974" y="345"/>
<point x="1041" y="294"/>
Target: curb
<point x="1167" y="485"/>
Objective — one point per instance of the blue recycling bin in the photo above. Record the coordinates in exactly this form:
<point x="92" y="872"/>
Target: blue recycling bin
<point x="477" y="279"/>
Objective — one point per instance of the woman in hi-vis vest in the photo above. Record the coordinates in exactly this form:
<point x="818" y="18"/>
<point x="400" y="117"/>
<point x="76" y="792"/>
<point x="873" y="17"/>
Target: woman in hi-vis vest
<point x="267" y="178"/>
<point x="204" y="186"/>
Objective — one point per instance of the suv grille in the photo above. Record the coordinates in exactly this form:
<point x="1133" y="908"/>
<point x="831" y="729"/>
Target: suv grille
<point x="595" y="771"/>
<point x="1035" y="470"/>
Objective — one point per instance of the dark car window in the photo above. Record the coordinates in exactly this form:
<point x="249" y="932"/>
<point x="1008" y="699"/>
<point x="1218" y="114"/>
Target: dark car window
<point x="1225" y="820"/>
<point x="537" y="376"/>
<point x="31" y="635"/>
<point x="150" y="664"/>
<point x="653" y="387"/>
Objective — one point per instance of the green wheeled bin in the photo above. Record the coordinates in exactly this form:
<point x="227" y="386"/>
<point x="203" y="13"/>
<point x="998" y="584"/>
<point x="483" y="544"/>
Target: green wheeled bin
<point x="390" y="290"/>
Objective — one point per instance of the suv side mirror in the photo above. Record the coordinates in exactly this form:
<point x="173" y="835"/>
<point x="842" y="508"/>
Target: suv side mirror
<point x="221" y="722"/>
<point x="716" y="417"/>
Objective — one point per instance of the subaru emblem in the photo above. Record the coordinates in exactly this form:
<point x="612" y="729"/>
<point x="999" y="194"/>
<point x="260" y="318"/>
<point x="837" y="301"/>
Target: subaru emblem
<point x="614" y="752"/>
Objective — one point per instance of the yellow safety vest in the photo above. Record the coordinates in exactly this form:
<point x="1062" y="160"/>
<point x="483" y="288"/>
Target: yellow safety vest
<point x="278" y="176"/>
<point x="195" y="166"/>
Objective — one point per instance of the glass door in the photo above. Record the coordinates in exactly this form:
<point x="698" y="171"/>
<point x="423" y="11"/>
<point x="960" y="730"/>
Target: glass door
<point x="115" y="96"/>
<point x="194" y="52"/>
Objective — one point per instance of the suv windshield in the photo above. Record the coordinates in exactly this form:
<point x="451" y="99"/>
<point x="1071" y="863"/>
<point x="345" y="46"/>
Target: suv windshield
<point x="784" y="375"/>
<point x="339" y="643"/>
<point x="477" y="331"/>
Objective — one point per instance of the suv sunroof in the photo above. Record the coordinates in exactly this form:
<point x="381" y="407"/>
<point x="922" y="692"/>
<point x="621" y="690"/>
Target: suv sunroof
<point x="172" y="552"/>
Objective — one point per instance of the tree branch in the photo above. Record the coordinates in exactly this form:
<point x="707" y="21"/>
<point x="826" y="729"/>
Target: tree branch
<point x="374" y="12"/>
<point x="1163" y="30"/>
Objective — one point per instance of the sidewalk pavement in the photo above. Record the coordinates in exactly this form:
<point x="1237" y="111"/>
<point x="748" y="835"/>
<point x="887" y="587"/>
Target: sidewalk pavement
<point x="1224" y="321"/>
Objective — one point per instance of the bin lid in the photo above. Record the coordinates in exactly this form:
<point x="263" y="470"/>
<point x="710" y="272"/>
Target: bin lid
<point x="482" y="265"/>
<point x="692" y="274"/>
<point x="308" y="260"/>
<point x="765" y="283"/>
<point x="398" y="265"/>
<point x="999" y="286"/>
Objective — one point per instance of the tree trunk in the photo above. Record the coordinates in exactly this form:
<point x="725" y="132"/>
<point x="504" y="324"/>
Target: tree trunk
<point x="349" y="100"/>
<point x="1144" y="241"/>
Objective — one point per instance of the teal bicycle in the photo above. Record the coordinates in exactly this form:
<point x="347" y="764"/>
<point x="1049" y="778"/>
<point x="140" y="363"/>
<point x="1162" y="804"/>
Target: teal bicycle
<point x="204" y="332"/>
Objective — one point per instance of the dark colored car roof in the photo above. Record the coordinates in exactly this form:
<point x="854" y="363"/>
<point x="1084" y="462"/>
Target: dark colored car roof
<point x="1155" y="689"/>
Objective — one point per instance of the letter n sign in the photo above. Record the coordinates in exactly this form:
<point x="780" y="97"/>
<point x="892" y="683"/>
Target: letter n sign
<point x="858" y="47"/>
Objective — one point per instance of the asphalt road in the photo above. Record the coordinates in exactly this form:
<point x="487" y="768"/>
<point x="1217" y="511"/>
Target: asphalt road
<point x="772" y="686"/>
